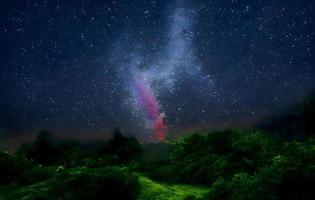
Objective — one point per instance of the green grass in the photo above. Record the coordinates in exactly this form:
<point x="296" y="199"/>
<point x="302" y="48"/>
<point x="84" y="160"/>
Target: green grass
<point x="24" y="192"/>
<point x="152" y="190"/>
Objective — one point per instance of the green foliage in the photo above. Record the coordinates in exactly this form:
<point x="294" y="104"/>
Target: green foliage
<point x="49" y="150"/>
<point x="241" y="186"/>
<point x="205" y="158"/>
<point x="112" y="182"/>
<point x="232" y="165"/>
<point x="24" y="177"/>
<point x="81" y="184"/>
<point x="152" y="190"/>
<point x="289" y="175"/>
<point x="36" y="174"/>
<point x="11" y="168"/>
<point x="125" y="148"/>
<point x="282" y="179"/>
<point x="17" y="170"/>
<point x="242" y="165"/>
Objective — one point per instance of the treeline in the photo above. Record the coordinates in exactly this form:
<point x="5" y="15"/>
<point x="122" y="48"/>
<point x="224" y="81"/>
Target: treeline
<point x="233" y="164"/>
<point x="49" y="150"/>
<point x="50" y="168"/>
<point x="242" y="165"/>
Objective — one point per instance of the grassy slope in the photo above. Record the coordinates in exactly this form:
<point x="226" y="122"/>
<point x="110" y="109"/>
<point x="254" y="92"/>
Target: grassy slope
<point x="151" y="190"/>
<point x="26" y="193"/>
<point x="159" y="191"/>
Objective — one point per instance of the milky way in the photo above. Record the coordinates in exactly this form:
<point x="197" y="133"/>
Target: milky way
<point x="174" y="64"/>
<point x="148" y="103"/>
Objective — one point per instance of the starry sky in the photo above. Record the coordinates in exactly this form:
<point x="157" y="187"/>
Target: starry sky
<point x="69" y="66"/>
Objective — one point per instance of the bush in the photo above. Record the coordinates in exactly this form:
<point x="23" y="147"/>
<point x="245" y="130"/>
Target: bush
<point x="81" y="184"/>
<point x="125" y="149"/>
<point x="36" y="174"/>
<point x="241" y="186"/>
<point x="12" y="168"/>
<point x="203" y="159"/>
<point x="19" y="171"/>
<point x="48" y="150"/>
<point x="106" y="183"/>
<point x="289" y="175"/>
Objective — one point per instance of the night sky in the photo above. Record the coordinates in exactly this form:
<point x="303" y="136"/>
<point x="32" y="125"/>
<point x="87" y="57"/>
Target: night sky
<point x="86" y="67"/>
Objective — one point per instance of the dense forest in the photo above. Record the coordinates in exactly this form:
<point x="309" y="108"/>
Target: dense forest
<point x="274" y="161"/>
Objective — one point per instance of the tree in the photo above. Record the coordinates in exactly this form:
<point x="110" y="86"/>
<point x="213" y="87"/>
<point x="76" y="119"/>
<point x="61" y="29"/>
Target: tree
<point x="126" y="148"/>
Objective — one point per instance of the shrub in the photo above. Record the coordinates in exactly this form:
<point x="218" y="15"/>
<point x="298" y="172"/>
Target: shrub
<point x="125" y="149"/>
<point x="289" y="175"/>
<point x="12" y="168"/>
<point x="204" y="158"/>
<point x="81" y="184"/>
<point x="102" y="183"/>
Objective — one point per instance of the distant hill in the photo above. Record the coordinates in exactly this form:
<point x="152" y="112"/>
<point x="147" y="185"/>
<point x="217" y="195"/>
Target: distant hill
<point x="299" y="121"/>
